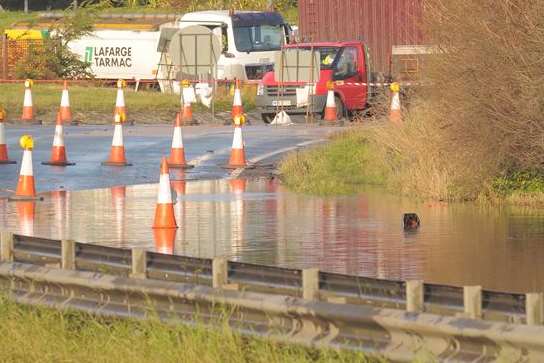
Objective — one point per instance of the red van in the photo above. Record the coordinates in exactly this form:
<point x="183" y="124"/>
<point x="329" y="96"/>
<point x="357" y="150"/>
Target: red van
<point x="345" y="63"/>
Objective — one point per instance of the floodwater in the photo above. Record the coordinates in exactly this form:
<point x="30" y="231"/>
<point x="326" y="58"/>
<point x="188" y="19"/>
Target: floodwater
<point x="259" y="221"/>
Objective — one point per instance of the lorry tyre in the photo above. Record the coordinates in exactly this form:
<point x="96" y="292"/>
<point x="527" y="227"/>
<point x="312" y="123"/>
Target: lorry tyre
<point x="267" y="117"/>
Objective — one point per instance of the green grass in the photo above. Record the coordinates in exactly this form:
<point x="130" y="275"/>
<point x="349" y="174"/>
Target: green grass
<point x="42" y="335"/>
<point x="342" y="166"/>
<point x="96" y="104"/>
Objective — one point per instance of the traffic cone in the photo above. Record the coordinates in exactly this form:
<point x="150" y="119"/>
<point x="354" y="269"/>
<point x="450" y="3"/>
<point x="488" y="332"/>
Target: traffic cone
<point x="28" y="106"/>
<point x="164" y="212"/>
<point x="237" y="155"/>
<point x="26" y="189"/>
<point x="117" y="153"/>
<point x="120" y="107"/>
<point x="4" y="159"/>
<point x="395" y="112"/>
<point x="330" y="107"/>
<point x="65" y="110"/>
<point x="237" y="108"/>
<point x="187" y="97"/>
<point x="187" y="114"/>
<point x="177" y="153"/>
<point x="58" y="151"/>
<point x="165" y="240"/>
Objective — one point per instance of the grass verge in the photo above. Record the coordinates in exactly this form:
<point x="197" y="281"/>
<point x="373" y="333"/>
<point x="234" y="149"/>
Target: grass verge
<point x="94" y="105"/>
<point x="44" y="335"/>
<point x="342" y="166"/>
<point x="405" y="160"/>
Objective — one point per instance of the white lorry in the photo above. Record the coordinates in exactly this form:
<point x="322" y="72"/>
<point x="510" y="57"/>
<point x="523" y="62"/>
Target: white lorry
<point x="250" y="41"/>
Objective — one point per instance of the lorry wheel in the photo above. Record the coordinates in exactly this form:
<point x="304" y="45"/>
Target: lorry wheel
<point x="267" y="117"/>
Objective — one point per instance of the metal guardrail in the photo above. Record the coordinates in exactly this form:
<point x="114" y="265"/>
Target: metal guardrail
<point x="418" y="296"/>
<point x="336" y="310"/>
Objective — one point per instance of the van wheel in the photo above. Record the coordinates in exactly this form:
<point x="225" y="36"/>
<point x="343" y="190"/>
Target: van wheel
<point x="340" y="111"/>
<point x="267" y="117"/>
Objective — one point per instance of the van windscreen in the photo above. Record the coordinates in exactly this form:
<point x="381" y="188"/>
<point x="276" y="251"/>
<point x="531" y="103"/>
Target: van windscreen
<point x="327" y="55"/>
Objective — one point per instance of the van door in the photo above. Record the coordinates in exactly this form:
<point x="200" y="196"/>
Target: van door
<point x="349" y="76"/>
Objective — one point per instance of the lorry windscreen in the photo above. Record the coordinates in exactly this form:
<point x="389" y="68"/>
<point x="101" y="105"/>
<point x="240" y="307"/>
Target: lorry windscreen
<point x="258" y="38"/>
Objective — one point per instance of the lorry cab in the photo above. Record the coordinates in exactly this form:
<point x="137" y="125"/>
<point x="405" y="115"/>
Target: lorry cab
<point x="250" y="40"/>
<point x="344" y="63"/>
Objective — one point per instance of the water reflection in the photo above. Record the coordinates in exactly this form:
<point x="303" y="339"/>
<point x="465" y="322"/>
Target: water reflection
<point x="261" y="222"/>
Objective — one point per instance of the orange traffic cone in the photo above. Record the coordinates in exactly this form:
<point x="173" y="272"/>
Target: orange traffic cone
<point x="4" y="159"/>
<point x="117" y="153"/>
<point x="237" y="155"/>
<point x="58" y="151"/>
<point x="187" y="98"/>
<point x="177" y="153"/>
<point x="237" y="108"/>
<point x="330" y="107"/>
<point x="164" y="240"/>
<point x="28" y="106"/>
<point x="164" y="212"/>
<point x="120" y="107"/>
<point x="395" y="112"/>
<point x="65" y="110"/>
<point x="26" y="189"/>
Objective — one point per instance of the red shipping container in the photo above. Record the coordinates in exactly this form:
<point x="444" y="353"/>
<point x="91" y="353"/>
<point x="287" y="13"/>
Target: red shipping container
<point x="380" y="24"/>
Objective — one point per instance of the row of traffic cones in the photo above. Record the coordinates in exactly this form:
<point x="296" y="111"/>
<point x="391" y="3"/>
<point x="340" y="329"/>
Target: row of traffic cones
<point x="65" y="111"/>
<point x="26" y="188"/>
<point x="331" y="111"/>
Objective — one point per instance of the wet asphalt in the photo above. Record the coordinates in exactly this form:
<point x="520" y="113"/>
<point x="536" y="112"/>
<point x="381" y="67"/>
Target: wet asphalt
<point x="207" y="147"/>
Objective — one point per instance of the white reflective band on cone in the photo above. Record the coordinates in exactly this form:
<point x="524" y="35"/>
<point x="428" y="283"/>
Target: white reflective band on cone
<point x="120" y="101"/>
<point x="237" y="141"/>
<point x="65" y="99"/>
<point x="395" y="103"/>
<point x="58" y="140"/>
<point x="117" y="136"/>
<point x="28" y="98"/>
<point x="26" y="165"/>
<point x="330" y="99"/>
<point x="2" y="134"/>
<point x="188" y="95"/>
<point x="237" y="98"/>
<point x="177" y="139"/>
<point x="165" y="193"/>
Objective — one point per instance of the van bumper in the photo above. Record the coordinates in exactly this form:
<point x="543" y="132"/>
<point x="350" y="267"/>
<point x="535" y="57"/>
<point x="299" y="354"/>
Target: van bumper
<point x="271" y="104"/>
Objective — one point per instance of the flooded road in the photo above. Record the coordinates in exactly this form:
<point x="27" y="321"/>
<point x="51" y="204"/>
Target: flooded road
<point x="261" y="222"/>
<point x="206" y="147"/>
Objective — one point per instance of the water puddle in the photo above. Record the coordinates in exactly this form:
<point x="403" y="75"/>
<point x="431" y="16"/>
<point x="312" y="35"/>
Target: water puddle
<point x="259" y="221"/>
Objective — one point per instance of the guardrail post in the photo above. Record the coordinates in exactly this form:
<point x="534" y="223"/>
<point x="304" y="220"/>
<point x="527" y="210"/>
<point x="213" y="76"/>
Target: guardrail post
<point x="310" y="284"/>
<point x="472" y="296"/>
<point x="220" y="275"/>
<point x="68" y="254"/>
<point x="6" y="247"/>
<point x="414" y="296"/>
<point x="534" y="308"/>
<point x="139" y="263"/>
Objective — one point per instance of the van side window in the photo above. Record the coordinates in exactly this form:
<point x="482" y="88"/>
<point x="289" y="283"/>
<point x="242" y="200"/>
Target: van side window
<point x="347" y="64"/>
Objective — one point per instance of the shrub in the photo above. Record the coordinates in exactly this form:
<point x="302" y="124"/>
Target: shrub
<point x="53" y="58"/>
